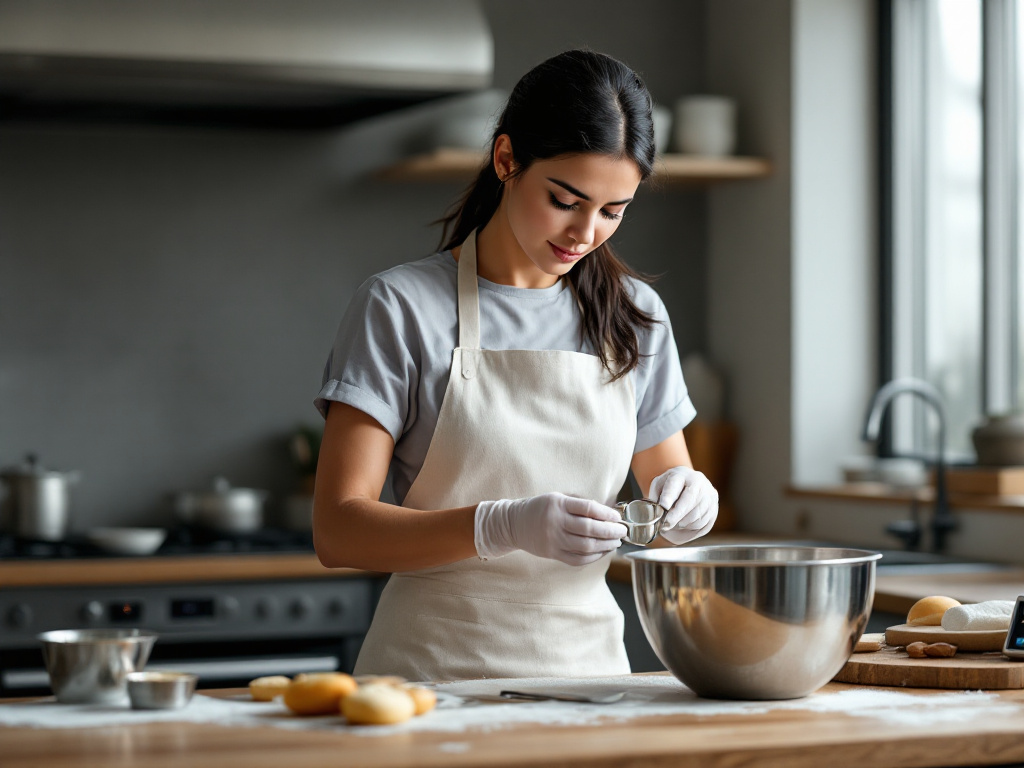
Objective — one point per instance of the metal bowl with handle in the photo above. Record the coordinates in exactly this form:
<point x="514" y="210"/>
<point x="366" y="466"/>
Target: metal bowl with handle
<point x="753" y="622"/>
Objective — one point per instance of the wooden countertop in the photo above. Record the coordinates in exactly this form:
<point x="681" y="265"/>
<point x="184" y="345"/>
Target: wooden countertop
<point x="794" y="738"/>
<point x="896" y="594"/>
<point x="168" y="570"/>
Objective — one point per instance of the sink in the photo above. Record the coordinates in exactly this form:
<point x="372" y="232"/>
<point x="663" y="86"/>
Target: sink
<point x="896" y="562"/>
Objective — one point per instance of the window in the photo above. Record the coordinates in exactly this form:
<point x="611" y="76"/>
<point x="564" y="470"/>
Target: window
<point x="951" y="280"/>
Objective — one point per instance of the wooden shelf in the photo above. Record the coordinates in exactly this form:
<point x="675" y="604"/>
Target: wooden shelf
<point x="885" y="494"/>
<point x="450" y="164"/>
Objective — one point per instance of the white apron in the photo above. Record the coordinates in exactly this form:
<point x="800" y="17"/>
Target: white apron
<point x="513" y="424"/>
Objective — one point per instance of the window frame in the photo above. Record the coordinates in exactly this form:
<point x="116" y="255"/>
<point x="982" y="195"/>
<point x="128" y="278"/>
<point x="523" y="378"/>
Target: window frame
<point x="1001" y="376"/>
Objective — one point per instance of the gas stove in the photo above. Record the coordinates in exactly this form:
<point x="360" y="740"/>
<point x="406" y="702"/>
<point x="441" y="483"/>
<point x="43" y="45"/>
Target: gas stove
<point x="228" y="631"/>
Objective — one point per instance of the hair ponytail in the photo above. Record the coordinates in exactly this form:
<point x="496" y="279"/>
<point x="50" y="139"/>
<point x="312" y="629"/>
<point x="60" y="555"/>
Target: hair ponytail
<point x="608" y="111"/>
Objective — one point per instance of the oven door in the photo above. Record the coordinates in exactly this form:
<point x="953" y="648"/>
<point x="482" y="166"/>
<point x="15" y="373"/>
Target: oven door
<point x="226" y="633"/>
<point x="218" y="665"/>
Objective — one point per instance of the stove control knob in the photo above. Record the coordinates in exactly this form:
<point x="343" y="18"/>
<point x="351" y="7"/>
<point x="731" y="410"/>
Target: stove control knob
<point x="229" y="607"/>
<point x="92" y="612"/>
<point x="266" y="608"/>
<point x="20" y="616"/>
<point x="302" y="607"/>
<point x="336" y="608"/>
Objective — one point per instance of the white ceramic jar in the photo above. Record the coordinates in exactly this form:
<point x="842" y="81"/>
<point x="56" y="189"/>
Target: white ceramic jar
<point x="705" y="125"/>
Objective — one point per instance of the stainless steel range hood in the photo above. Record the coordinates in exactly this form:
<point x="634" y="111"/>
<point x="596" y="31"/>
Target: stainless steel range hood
<point x="287" y="62"/>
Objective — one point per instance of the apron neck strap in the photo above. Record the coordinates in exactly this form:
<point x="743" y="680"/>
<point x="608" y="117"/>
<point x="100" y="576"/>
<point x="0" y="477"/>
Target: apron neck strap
<point x="469" y="300"/>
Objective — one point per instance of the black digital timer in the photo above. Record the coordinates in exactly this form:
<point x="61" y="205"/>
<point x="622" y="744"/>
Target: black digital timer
<point x="1014" y="645"/>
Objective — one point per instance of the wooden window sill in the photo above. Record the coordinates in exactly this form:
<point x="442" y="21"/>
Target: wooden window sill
<point x="886" y="494"/>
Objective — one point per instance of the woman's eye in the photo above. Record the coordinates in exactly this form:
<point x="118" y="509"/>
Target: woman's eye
<point x="610" y="215"/>
<point x="560" y="205"/>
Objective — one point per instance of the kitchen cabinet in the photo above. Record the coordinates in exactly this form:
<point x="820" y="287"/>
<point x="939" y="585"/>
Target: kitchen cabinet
<point x="823" y="734"/>
<point x="451" y="164"/>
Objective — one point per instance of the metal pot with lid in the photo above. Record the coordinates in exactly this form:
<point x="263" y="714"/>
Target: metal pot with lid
<point x="223" y="507"/>
<point x="38" y="499"/>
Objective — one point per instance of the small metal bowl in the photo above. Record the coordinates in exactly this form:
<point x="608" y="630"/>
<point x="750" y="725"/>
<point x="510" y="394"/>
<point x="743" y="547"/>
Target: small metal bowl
<point x="161" y="690"/>
<point x="90" y="665"/>
<point x="642" y="518"/>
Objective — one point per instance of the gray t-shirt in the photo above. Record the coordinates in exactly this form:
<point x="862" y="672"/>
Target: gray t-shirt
<point x="393" y="352"/>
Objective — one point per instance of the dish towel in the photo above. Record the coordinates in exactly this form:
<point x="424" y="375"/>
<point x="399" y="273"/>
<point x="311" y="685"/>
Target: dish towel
<point x="993" y="614"/>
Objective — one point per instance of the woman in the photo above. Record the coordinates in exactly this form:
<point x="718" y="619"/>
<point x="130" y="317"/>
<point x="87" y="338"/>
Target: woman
<point x="509" y="383"/>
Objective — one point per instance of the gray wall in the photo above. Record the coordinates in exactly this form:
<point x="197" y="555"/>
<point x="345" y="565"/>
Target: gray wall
<point x="168" y="296"/>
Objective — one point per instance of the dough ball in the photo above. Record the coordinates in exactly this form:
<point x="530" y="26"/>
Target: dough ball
<point x="378" y="704"/>
<point x="318" y="693"/>
<point x="268" y="688"/>
<point x="424" y="699"/>
<point x="927" y="612"/>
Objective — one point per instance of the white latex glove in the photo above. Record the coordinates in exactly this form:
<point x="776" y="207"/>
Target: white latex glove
<point x="690" y="502"/>
<point x="574" y="531"/>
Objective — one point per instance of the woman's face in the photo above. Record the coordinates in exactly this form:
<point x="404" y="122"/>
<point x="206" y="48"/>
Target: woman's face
<point x="560" y="210"/>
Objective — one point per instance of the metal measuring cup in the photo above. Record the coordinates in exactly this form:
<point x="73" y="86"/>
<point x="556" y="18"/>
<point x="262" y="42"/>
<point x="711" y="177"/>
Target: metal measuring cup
<point x="642" y="518"/>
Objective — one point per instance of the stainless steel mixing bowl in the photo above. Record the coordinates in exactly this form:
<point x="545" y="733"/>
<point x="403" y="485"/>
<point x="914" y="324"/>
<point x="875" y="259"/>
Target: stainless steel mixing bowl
<point x="92" y="665"/>
<point x="753" y="622"/>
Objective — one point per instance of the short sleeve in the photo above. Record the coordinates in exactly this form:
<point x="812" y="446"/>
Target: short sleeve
<point x="663" y="403"/>
<point x="373" y="363"/>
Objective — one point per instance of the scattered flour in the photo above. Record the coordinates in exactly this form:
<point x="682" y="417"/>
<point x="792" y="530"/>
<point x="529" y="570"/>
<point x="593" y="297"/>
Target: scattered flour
<point x="454" y="746"/>
<point x="459" y="712"/>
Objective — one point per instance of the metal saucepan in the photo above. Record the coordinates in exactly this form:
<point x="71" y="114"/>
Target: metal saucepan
<point x="37" y="500"/>
<point x="222" y="508"/>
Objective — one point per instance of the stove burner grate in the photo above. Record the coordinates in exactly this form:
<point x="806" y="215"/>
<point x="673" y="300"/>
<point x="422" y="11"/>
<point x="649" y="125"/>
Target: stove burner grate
<point x="182" y="540"/>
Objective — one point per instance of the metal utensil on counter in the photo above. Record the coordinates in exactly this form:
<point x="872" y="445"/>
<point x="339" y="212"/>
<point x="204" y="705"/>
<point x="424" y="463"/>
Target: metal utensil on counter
<point x="38" y="499"/>
<point x="753" y="622"/>
<point x="579" y="698"/>
<point x="642" y="518"/>
<point x="92" y="665"/>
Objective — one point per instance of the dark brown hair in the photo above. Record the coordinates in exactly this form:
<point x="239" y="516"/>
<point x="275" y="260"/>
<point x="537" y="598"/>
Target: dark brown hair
<point x="605" y="108"/>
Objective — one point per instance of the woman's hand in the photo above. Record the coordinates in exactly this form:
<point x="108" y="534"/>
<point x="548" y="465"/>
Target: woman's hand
<point x="553" y="525"/>
<point x="690" y="503"/>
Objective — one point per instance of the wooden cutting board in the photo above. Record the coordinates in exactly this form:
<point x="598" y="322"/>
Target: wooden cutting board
<point x="984" y="640"/>
<point x="987" y="481"/>
<point x="965" y="671"/>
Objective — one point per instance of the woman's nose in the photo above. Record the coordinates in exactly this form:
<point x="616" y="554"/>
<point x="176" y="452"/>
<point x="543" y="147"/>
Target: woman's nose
<point x="582" y="230"/>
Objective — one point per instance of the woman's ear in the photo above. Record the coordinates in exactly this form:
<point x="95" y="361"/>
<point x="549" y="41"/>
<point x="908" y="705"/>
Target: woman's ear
<point x="503" y="159"/>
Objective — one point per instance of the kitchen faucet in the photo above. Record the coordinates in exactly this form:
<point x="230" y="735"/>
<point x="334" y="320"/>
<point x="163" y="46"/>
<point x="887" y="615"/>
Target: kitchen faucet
<point x="943" y="522"/>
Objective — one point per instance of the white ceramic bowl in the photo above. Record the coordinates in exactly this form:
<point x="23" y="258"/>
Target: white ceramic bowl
<point x="128" y="541"/>
<point x="861" y="469"/>
<point x="903" y="473"/>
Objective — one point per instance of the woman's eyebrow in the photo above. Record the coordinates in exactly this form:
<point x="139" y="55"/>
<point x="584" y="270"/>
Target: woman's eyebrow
<point x="571" y="189"/>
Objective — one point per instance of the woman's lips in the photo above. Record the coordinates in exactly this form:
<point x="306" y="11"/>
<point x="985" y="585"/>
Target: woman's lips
<point x="566" y="257"/>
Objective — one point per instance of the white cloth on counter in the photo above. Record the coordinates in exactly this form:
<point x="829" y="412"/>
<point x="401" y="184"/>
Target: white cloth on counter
<point x="992" y="614"/>
<point x="457" y="712"/>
